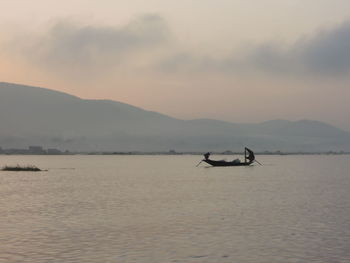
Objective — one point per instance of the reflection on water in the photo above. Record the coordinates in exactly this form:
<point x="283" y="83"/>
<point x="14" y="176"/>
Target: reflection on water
<point x="164" y="209"/>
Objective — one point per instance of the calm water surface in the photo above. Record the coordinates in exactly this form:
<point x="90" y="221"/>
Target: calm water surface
<point x="164" y="209"/>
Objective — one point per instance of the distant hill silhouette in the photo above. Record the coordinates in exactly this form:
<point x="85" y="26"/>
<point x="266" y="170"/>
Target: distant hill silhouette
<point x="38" y="116"/>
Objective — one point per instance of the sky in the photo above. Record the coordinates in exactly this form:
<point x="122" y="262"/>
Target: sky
<point x="233" y="60"/>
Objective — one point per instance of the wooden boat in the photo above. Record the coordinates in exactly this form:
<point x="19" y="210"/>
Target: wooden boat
<point x="249" y="158"/>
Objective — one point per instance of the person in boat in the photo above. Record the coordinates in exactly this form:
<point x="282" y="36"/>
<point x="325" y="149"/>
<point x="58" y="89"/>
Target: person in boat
<point x="250" y="156"/>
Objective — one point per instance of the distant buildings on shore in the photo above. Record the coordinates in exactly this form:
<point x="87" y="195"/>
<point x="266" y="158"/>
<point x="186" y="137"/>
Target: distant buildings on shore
<point x="33" y="150"/>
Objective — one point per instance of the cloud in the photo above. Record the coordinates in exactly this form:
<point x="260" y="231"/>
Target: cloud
<point x="327" y="52"/>
<point x="68" y="43"/>
<point x="95" y="49"/>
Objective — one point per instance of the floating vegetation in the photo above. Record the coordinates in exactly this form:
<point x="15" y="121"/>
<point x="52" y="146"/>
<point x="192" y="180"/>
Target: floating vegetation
<point x="18" y="168"/>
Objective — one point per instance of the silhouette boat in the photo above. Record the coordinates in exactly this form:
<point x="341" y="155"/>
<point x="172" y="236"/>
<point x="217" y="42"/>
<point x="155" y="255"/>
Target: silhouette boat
<point x="249" y="158"/>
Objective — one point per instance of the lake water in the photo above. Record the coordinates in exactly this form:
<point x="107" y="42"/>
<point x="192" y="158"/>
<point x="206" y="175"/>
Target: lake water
<point x="164" y="209"/>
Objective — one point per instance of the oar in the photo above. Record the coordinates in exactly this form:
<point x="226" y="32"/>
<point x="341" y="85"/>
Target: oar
<point x="199" y="163"/>
<point x="257" y="162"/>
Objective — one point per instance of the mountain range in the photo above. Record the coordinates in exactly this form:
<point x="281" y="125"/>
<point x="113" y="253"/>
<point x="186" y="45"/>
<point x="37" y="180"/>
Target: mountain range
<point x="38" y="116"/>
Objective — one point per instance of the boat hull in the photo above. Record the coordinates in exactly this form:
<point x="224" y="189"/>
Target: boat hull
<point x="224" y="163"/>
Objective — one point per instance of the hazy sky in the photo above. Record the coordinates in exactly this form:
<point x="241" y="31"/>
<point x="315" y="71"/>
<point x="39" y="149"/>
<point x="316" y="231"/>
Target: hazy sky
<point x="235" y="60"/>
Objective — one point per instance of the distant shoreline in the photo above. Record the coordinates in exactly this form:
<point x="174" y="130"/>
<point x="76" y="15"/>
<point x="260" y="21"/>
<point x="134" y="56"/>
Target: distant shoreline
<point x="179" y="153"/>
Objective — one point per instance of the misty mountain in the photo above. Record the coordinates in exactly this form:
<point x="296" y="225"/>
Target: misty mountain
<point x="38" y="116"/>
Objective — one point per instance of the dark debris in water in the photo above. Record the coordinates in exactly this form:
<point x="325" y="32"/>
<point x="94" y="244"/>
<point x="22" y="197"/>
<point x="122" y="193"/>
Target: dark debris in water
<point x="199" y="256"/>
